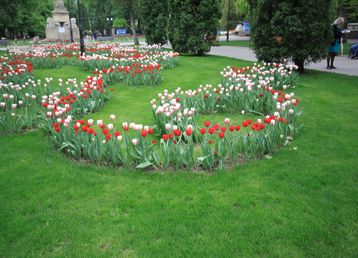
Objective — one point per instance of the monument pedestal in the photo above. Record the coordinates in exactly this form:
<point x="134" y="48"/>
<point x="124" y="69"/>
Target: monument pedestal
<point x="58" y="27"/>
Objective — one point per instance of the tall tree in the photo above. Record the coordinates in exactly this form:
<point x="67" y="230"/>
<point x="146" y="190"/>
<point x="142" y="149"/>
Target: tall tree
<point x="16" y="19"/>
<point x="131" y="5"/>
<point x="229" y="18"/>
<point x="242" y="9"/>
<point x="95" y="14"/>
<point x="191" y="24"/>
<point x="297" y="30"/>
<point x="347" y="9"/>
<point x="154" y="14"/>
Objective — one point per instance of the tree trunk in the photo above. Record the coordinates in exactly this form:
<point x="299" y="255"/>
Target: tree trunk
<point x="301" y="65"/>
<point x="131" y="17"/>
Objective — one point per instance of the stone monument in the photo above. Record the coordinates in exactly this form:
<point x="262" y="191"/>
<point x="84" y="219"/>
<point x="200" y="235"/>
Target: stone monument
<point x="58" y="27"/>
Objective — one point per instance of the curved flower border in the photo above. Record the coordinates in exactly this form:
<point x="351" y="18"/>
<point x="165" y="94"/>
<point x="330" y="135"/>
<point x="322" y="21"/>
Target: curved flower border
<point x="175" y="140"/>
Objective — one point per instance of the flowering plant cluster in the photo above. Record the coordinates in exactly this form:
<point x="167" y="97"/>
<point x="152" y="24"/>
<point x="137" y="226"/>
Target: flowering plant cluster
<point x="21" y="94"/>
<point x="134" y="66"/>
<point x="15" y="71"/>
<point x="175" y="140"/>
<point x="242" y="91"/>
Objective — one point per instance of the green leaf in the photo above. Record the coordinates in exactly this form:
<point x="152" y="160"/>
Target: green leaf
<point x="144" y="164"/>
<point x="201" y="159"/>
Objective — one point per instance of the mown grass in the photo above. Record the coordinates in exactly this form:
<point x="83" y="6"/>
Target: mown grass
<point x="300" y="203"/>
<point x="237" y="43"/>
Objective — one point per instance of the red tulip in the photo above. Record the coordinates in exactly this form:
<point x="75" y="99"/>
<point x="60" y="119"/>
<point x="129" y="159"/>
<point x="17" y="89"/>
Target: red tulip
<point x="221" y="135"/>
<point x="89" y="130"/>
<point x="188" y="131"/>
<point x="177" y="132"/>
<point x="202" y="131"/>
<point x="211" y="130"/>
<point x="207" y="123"/>
<point x="143" y="133"/>
<point x="267" y="120"/>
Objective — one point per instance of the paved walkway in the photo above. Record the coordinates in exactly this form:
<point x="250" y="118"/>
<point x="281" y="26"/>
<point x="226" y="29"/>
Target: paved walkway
<point x="344" y="64"/>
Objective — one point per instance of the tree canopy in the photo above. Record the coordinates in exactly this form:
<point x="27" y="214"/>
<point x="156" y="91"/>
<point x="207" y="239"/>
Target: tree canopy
<point x="20" y="18"/>
<point x="154" y="14"/>
<point x="192" y="24"/>
<point x="294" y="30"/>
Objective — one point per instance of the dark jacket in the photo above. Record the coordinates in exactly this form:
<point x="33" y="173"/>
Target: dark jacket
<point x="337" y="33"/>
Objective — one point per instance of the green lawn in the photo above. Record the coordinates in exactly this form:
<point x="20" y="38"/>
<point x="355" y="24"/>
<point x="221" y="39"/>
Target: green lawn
<point x="301" y="203"/>
<point x="240" y="43"/>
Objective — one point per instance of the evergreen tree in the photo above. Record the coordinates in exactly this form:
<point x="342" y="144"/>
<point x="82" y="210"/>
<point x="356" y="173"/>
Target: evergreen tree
<point x="229" y="18"/>
<point x="154" y="14"/>
<point x="192" y="24"/>
<point x="296" y="30"/>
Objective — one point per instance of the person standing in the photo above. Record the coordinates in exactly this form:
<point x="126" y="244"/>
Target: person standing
<point x="335" y="43"/>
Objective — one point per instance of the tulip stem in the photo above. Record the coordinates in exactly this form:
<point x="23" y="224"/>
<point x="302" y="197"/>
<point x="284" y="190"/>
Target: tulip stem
<point x="255" y="112"/>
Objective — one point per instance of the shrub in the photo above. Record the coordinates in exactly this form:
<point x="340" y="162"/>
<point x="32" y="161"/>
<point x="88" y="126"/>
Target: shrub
<point x="296" y="30"/>
<point x="155" y="20"/>
<point x="192" y="24"/>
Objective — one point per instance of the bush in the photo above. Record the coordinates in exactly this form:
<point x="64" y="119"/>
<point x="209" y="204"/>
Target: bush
<point x="191" y="24"/>
<point x="155" y="20"/>
<point x="295" y="30"/>
<point x="120" y="23"/>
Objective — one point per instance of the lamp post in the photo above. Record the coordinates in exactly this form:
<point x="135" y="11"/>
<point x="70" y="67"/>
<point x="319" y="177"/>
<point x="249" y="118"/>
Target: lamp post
<point x="228" y="20"/>
<point x="82" y="43"/>
<point x="69" y="14"/>
<point x="110" y="20"/>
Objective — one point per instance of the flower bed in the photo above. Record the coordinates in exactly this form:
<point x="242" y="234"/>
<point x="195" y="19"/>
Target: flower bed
<point x="109" y="62"/>
<point x="175" y="140"/>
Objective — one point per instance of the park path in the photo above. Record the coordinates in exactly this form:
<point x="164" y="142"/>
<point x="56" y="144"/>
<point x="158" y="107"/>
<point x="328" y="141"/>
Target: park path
<point x="344" y="64"/>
